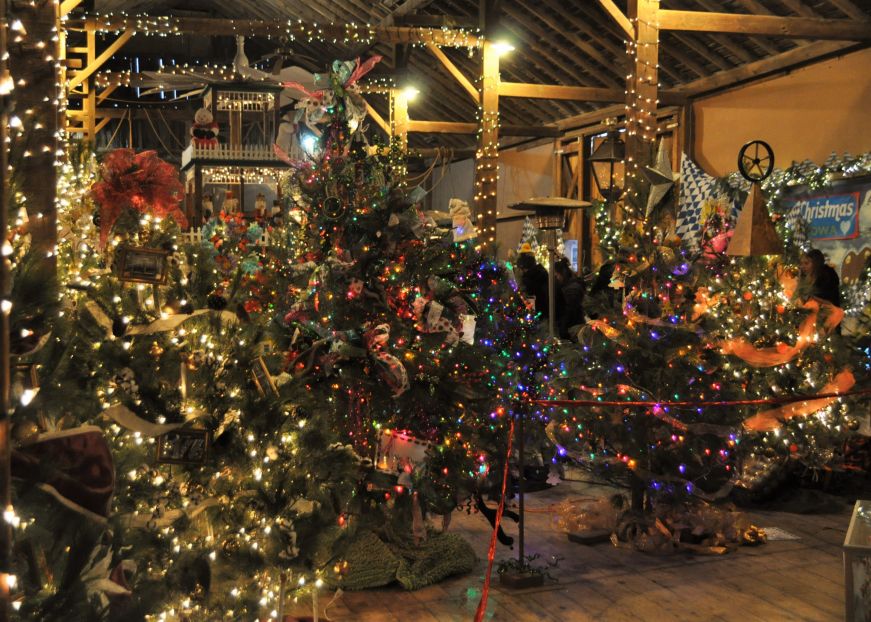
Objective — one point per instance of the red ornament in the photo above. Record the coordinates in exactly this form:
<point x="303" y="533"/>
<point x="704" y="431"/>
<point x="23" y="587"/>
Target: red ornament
<point x="748" y="296"/>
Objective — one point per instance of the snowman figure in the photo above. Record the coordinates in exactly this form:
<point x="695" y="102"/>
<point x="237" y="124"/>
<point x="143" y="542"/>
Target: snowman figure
<point x="204" y="131"/>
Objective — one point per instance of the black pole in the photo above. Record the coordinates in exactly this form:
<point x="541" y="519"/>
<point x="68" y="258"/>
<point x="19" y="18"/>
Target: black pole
<point x="520" y="484"/>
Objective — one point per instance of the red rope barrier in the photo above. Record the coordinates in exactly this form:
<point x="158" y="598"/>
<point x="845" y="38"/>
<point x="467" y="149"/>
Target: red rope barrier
<point x="491" y="552"/>
<point x="772" y="400"/>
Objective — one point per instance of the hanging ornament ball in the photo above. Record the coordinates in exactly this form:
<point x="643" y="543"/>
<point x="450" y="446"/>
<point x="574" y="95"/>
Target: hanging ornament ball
<point x="119" y="327"/>
<point x="216" y="302"/>
<point x="853" y="425"/>
<point x="333" y="207"/>
<point x="780" y="309"/>
<point x="748" y="296"/>
<point x="156" y="349"/>
<point x="793" y="448"/>
<point x="96" y="218"/>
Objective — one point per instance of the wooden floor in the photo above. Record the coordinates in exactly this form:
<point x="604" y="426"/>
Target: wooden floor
<point x="782" y="580"/>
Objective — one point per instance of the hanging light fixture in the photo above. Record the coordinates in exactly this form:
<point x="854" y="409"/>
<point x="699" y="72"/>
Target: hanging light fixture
<point x="606" y="163"/>
<point x="550" y="212"/>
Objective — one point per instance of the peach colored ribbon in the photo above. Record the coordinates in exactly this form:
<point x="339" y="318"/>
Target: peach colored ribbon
<point x="783" y="353"/>
<point x="771" y="419"/>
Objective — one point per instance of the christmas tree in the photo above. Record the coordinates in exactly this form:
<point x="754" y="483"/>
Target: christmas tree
<point x="273" y="407"/>
<point x="707" y="352"/>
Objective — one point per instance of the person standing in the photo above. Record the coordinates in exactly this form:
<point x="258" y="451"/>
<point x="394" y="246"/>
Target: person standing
<point x="533" y="281"/>
<point x="569" y="299"/>
<point x="819" y="280"/>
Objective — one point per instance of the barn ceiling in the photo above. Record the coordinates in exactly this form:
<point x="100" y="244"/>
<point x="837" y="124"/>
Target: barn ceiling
<point x="567" y="42"/>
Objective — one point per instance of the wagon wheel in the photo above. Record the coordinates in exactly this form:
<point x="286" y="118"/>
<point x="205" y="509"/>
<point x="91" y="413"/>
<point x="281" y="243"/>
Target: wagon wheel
<point x="756" y="160"/>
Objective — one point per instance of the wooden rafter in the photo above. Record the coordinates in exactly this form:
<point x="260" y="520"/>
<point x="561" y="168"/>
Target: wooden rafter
<point x="457" y="127"/>
<point x="98" y="61"/>
<point x="791" y="58"/>
<point x="459" y="76"/>
<point x="552" y="91"/>
<point x="406" y="8"/>
<point x="607" y="65"/>
<point x="619" y="18"/>
<point x="276" y="28"/>
<point x="763" y="43"/>
<point x="848" y="8"/>
<point x="379" y="120"/>
<point x="701" y="50"/>
<point x="606" y="75"/>
<point x="771" y="25"/>
<point x="102" y="95"/>
<point x="66" y="6"/>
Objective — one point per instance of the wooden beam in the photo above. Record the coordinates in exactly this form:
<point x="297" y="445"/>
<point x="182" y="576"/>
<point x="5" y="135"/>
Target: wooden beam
<point x="68" y="5"/>
<point x="608" y="75"/>
<point x="404" y="9"/>
<point x="98" y="62"/>
<point x="796" y="27"/>
<point x="487" y="156"/>
<point x="764" y="67"/>
<point x="553" y="91"/>
<point x="99" y="126"/>
<point x="420" y="20"/>
<point x="617" y="15"/>
<point x="102" y="95"/>
<point x="459" y="127"/>
<point x="337" y="33"/>
<point x="454" y="71"/>
<point x="379" y="120"/>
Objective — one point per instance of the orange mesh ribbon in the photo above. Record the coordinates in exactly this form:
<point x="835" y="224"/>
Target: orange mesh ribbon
<point x="783" y="353"/>
<point x="771" y="419"/>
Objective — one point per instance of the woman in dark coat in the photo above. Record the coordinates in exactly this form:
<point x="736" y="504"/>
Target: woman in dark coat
<point x="820" y="279"/>
<point x="534" y="281"/>
<point x="569" y="298"/>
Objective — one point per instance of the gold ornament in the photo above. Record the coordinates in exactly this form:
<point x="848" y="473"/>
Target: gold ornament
<point x="156" y="349"/>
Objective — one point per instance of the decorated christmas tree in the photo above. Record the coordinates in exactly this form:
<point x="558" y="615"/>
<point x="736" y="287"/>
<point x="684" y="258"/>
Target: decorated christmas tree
<point x="705" y="366"/>
<point x="268" y="406"/>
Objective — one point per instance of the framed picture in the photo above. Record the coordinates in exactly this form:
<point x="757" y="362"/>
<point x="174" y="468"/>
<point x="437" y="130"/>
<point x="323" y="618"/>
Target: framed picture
<point x="184" y="446"/>
<point x="142" y="265"/>
<point x="396" y="449"/>
<point x="262" y="378"/>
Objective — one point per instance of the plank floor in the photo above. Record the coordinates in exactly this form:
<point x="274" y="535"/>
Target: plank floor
<point x="782" y="580"/>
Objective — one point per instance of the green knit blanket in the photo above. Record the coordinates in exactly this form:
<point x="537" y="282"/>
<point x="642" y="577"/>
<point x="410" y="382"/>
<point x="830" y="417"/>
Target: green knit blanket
<point x="374" y="563"/>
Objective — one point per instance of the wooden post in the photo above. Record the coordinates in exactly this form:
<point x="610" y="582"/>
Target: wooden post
<point x="90" y="102"/>
<point x="399" y="116"/>
<point x="32" y="64"/>
<point x="487" y="155"/>
<point x="5" y="448"/>
<point x="641" y="94"/>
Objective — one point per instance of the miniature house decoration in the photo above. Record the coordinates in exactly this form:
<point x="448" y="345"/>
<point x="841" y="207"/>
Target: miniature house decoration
<point x="238" y="170"/>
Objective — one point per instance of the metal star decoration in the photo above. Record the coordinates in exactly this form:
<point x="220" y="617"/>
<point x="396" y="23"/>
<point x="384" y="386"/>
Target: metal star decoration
<point x="660" y="176"/>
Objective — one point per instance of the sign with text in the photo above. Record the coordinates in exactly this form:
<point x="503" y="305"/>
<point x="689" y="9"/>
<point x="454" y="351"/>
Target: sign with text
<point x="831" y="216"/>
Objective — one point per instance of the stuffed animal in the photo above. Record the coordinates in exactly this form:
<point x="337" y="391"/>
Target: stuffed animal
<point x="204" y="131"/>
<point x="461" y="216"/>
